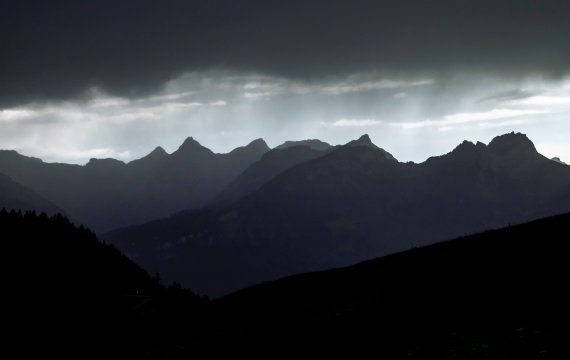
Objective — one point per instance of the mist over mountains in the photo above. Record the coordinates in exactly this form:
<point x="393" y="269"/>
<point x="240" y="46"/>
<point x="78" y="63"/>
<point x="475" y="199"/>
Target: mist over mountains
<point x="106" y="193"/>
<point x="256" y="215"/>
<point x="16" y="196"/>
<point x="221" y="222"/>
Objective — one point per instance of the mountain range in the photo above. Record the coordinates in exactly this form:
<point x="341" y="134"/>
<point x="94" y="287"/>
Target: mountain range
<point x="299" y="208"/>
<point x="106" y="193"/>
<point x="302" y="209"/>
<point x="270" y="165"/>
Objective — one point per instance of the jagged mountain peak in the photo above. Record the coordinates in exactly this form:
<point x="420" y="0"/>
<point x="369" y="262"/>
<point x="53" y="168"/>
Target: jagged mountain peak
<point x="257" y="147"/>
<point x="468" y="147"/>
<point x="512" y="143"/>
<point x="107" y="162"/>
<point x="314" y="144"/>
<point x="465" y="144"/>
<point x="365" y="141"/>
<point x="189" y="141"/>
<point x="154" y="156"/>
<point x="259" y="144"/>
<point x="158" y="152"/>
<point x="511" y="147"/>
<point x="190" y="145"/>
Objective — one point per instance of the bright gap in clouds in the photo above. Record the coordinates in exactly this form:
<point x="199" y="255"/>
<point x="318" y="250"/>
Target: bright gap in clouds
<point x="448" y="121"/>
<point x="353" y="122"/>
<point x="543" y="101"/>
<point x="413" y="118"/>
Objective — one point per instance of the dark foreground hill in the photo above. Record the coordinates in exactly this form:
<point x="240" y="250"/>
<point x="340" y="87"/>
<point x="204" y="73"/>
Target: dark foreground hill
<point x="354" y="203"/>
<point x="496" y="295"/>
<point x="66" y="293"/>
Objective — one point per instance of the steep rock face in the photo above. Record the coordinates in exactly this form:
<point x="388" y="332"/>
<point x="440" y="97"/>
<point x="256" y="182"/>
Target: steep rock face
<point x="107" y="193"/>
<point x="353" y="203"/>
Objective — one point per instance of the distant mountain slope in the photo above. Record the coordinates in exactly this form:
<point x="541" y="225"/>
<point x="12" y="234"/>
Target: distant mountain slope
<point x="314" y="144"/>
<point x="496" y="294"/>
<point x="352" y="204"/>
<point x="107" y="193"/>
<point x="18" y="197"/>
<point x="365" y="141"/>
<point x="271" y="164"/>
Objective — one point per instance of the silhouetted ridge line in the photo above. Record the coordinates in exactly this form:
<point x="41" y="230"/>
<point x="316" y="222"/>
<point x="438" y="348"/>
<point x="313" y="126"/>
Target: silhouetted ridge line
<point x="365" y="141"/>
<point x="15" y="196"/>
<point x="513" y="144"/>
<point x="107" y="193"/>
<point x="314" y="144"/>
<point x="335" y="208"/>
<point x="491" y="295"/>
<point x="191" y="147"/>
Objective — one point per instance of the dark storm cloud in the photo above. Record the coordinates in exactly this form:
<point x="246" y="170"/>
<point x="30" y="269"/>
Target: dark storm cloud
<point x="54" y="50"/>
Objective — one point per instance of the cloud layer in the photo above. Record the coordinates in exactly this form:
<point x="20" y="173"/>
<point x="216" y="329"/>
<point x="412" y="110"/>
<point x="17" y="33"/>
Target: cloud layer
<point x="412" y="117"/>
<point x="58" y="50"/>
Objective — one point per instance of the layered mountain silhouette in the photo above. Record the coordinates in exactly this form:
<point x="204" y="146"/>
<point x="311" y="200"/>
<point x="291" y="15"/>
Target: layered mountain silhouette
<point x="270" y="165"/>
<point x="365" y="141"/>
<point x="493" y="295"/>
<point x="497" y="294"/>
<point x="353" y="203"/>
<point x="107" y="193"/>
<point x="314" y="144"/>
<point x="14" y="196"/>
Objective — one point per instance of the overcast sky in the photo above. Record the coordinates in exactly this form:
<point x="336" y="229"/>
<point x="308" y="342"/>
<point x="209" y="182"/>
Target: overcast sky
<point x="82" y="79"/>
